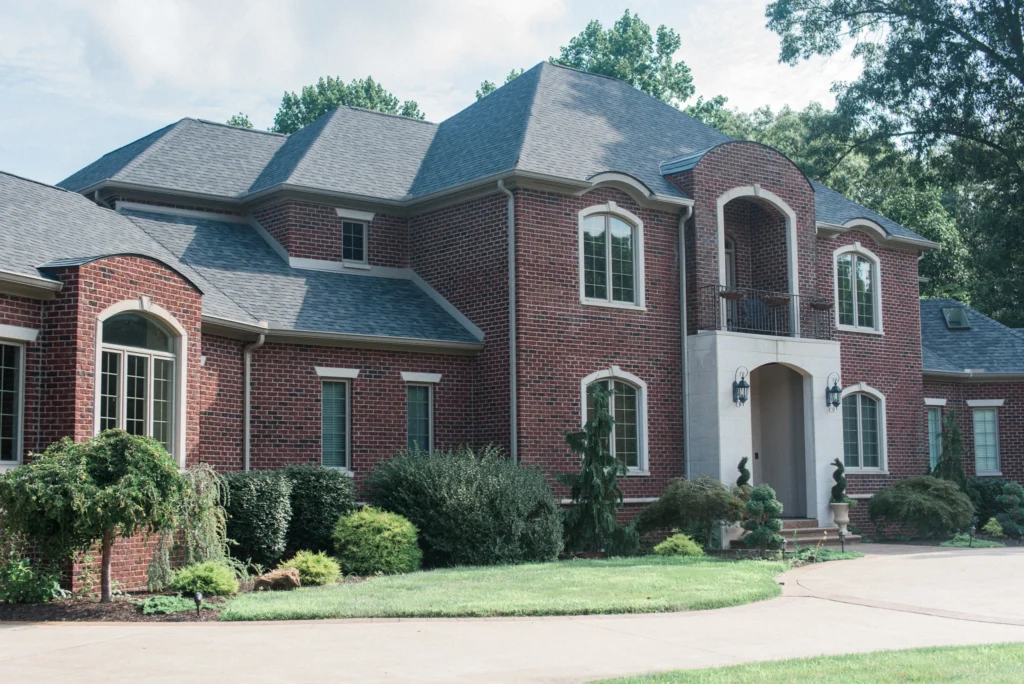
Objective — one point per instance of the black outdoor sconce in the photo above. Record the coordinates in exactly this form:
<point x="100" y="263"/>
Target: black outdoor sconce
<point x="833" y="394"/>
<point x="740" y="387"/>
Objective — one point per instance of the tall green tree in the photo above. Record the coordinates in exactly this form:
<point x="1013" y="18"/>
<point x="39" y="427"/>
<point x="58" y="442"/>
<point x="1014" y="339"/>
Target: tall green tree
<point x="313" y="101"/>
<point x="946" y="79"/>
<point x="240" y="120"/>
<point x="631" y="52"/>
<point x="486" y="87"/>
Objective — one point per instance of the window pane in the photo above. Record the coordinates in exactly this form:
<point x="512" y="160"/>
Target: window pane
<point x="622" y="261"/>
<point x="110" y="390"/>
<point x="595" y="258"/>
<point x="627" y="448"/>
<point x="869" y="431"/>
<point x="353" y="237"/>
<point x="163" y="385"/>
<point x="134" y="330"/>
<point x="851" y="443"/>
<point x="934" y="436"/>
<point x="135" y="400"/>
<point x="419" y="417"/>
<point x="334" y="428"/>
<point x="986" y="441"/>
<point x="865" y="294"/>
<point x="10" y="403"/>
<point x="844" y="278"/>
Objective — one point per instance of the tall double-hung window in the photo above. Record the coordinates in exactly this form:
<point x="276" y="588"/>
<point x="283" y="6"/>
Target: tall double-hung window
<point x="12" y="358"/>
<point x="864" y="430"/>
<point x="858" y="290"/>
<point x="611" y="257"/>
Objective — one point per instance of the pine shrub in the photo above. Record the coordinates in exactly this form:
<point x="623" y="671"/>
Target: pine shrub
<point x="372" y="541"/>
<point x="983" y="492"/>
<point x="762" y="521"/>
<point x="679" y="545"/>
<point x="259" y="512"/>
<point x="315" y="568"/>
<point x="319" y="497"/>
<point x="1011" y="517"/>
<point x="931" y="506"/>
<point x="210" y="578"/>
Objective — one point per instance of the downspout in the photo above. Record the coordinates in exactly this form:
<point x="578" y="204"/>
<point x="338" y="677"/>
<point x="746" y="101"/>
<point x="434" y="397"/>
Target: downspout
<point x="513" y="393"/>
<point x="247" y="392"/>
<point x="683" y="218"/>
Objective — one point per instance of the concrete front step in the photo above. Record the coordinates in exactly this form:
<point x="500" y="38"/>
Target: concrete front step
<point x="806" y="536"/>
<point x="798" y="523"/>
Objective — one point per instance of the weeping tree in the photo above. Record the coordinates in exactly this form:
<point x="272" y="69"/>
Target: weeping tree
<point x="75" y="496"/>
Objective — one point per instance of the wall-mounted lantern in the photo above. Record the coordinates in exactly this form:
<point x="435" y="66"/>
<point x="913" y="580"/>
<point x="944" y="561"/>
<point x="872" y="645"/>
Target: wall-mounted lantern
<point x="833" y="394"/>
<point x="740" y="387"/>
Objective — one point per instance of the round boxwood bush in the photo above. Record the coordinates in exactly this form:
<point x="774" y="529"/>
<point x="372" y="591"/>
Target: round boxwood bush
<point x="679" y="545"/>
<point x="210" y="578"/>
<point x="259" y="511"/>
<point x="983" y="492"/>
<point x="471" y="509"/>
<point x="315" y="568"/>
<point x="930" y="506"/>
<point x="370" y="541"/>
<point x="319" y="497"/>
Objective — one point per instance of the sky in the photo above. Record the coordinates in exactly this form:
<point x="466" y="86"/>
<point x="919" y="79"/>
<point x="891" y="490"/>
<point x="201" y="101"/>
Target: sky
<point x="79" y="79"/>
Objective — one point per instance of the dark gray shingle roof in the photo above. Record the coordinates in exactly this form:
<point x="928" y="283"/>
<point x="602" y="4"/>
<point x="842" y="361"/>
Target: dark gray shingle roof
<point x="831" y="207"/>
<point x="988" y="346"/>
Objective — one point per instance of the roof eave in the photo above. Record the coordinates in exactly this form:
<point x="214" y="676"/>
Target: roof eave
<point x="372" y="341"/>
<point x="883" y="237"/>
<point x="973" y="376"/>
<point x="32" y="287"/>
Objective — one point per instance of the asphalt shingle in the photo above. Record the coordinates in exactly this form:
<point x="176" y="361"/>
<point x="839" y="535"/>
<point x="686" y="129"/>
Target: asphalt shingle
<point x="988" y="345"/>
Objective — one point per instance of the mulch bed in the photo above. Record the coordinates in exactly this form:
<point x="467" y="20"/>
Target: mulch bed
<point x="121" y="609"/>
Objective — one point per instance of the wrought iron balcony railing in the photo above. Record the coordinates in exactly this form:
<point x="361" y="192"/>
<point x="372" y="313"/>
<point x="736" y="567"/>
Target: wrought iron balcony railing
<point x="764" y="312"/>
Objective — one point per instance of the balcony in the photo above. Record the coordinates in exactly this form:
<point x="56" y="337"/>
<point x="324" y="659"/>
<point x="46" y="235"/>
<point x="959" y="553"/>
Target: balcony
<point x="764" y="312"/>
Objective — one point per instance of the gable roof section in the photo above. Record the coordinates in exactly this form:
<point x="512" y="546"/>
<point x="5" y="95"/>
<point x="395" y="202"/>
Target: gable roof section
<point x="831" y="207"/>
<point x="988" y="347"/>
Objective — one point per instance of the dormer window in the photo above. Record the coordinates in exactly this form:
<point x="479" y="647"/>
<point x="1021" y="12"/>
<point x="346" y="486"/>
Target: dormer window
<point x="611" y="257"/>
<point x="353" y="242"/>
<point x="956" y="318"/>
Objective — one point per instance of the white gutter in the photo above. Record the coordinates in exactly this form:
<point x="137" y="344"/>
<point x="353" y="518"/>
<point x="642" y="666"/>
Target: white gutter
<point x="513" y="398"/>
<point x="683" y="218"/>
<point x="247" y="408"/>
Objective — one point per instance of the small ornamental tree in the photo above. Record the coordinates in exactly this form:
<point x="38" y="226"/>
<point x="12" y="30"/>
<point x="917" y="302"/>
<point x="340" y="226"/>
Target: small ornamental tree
<point x="839" y="488"/>
<point x="1012" y="516"/>
<point x="75" y="495"/>
<point x="696" y="506"/>
<point x="590" y="522"/>
<point x="951" y="465"/>
<point x="762" y="522"/>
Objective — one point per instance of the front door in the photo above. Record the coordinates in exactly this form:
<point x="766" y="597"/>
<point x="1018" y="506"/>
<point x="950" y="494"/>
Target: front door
<point x="777" y="426"/>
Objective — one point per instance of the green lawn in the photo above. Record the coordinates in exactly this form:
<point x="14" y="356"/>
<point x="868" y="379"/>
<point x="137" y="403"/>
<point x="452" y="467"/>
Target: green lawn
<point x="578" y="587"/>
<point x="981" y="664"/>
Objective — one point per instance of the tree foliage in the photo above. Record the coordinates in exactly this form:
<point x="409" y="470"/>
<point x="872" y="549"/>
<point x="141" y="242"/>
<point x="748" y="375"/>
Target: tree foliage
<point x="951" y="465"/>
<point x="239" y="120"/>
<point x="313" y="101"/>
<point x="933" y="507"/>
<point x="1011" y="501"/>
<point x="762" y="521"/>
<point x="695" y="506"/>
<point x="631" y="52"/>
<point x="486" y="87"/>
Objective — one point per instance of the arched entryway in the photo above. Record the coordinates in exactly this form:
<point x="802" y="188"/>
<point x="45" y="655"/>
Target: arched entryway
<point x="777" y="415"/>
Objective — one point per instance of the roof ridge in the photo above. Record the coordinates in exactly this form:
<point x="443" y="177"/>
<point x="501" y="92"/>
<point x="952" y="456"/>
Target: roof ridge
<point x="236" y="128"/>
<point x="36" y="182"/>
<point x="388" y="114"/>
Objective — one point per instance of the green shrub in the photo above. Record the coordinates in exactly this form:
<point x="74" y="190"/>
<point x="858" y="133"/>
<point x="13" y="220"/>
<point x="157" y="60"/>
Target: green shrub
<point x="210" y="578"/>
<point x="695" y="506"/>
<point x="983" y="492"/>
<point x="1011" y="503"/>
<point x="319" y="497"/>
<point x="931" y="506"/>
<point x="964" y="541"/>
<point x="679" y="545"/>
<point x="259" y="511"/>
<point x="993" y="529"/>
<point x="471" y="509"/>
<point x="315" y="568"/>
<point x="371" y="541"/>
<point x="169" y="605"/>
<point x="762" y="521"/>
<point x="22" y="581"/>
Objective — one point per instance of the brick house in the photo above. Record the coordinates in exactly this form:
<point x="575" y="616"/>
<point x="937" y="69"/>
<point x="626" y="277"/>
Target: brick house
<point x="371" y="282"/>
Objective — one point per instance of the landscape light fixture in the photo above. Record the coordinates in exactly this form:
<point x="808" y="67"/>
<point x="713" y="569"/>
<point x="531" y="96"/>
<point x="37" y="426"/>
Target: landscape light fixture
<point x="198" y="598"/>
<point x="740" y="387"/>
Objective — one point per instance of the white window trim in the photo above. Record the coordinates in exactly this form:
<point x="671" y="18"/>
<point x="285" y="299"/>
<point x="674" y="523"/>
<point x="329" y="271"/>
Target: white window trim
<point x="346" y="381"/>
<point x="350" y="217"/>
<point x="614" y="372"/>
<point x="19" y="442"/>
<point x="421" y="378"/>
<point x="934" y="402"/>
<point x="859" y="250"/>
<point x="17" y="333"/>
<point x="883" y="446"/>
<point x="986" y="405"/>
<point x="338" y="373"/>
<point x="430" y="413"/>
<point x="145" y="306"/>
<point x="612" y="209"/>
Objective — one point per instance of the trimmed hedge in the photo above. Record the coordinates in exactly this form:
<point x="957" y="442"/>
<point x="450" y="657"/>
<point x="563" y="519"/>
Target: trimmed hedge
<point x="931" y="506"/>
<point x="319" y="497"/>
<point x="369" y="541"/>
<point x="471" y="509"/>
<point x="259" y="511"/>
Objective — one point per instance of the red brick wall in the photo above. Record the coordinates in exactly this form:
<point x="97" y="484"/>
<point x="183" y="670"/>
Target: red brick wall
<point x="462" y="252"/>
<point x="313" y="231"/>
<point x="561" y="341"/>
<point x="128" y="566"/>
<point x="1010" y="420"/>
<point x="221" y="403"/>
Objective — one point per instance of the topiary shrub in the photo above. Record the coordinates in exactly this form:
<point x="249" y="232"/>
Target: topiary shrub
<point x="839" y="488"/>
<point x="983" y="492"/>
<point x="319" y="497"/>
<point x="371" y="541"/>
<point x="471" y="509"/>
<point x="762" y="520"/>
<point x="259" y="511"/>
<point x="679" y="545"/>
<point x="1011" y="501"/>
<point x="315" y="569"/>
<point x="931" y="506"/>
<point x="210" y="578"/>
<point x="696" y="506"/>
<point x="993" y="529"/>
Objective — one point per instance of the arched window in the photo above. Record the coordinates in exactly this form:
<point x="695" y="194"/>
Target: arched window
<point x="611" y="257"/>
<point x="858" y="289"/>
<point x="137" y="378"/>
<point x="628" y="408"/>
<point x="863" y="428"/>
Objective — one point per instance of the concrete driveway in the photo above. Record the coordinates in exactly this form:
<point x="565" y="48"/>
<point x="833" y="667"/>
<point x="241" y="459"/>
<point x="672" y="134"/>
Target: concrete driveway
<point x="897" y="597"/>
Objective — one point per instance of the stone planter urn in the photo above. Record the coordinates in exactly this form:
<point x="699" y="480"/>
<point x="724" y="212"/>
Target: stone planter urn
<point x="840" y="515"/>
